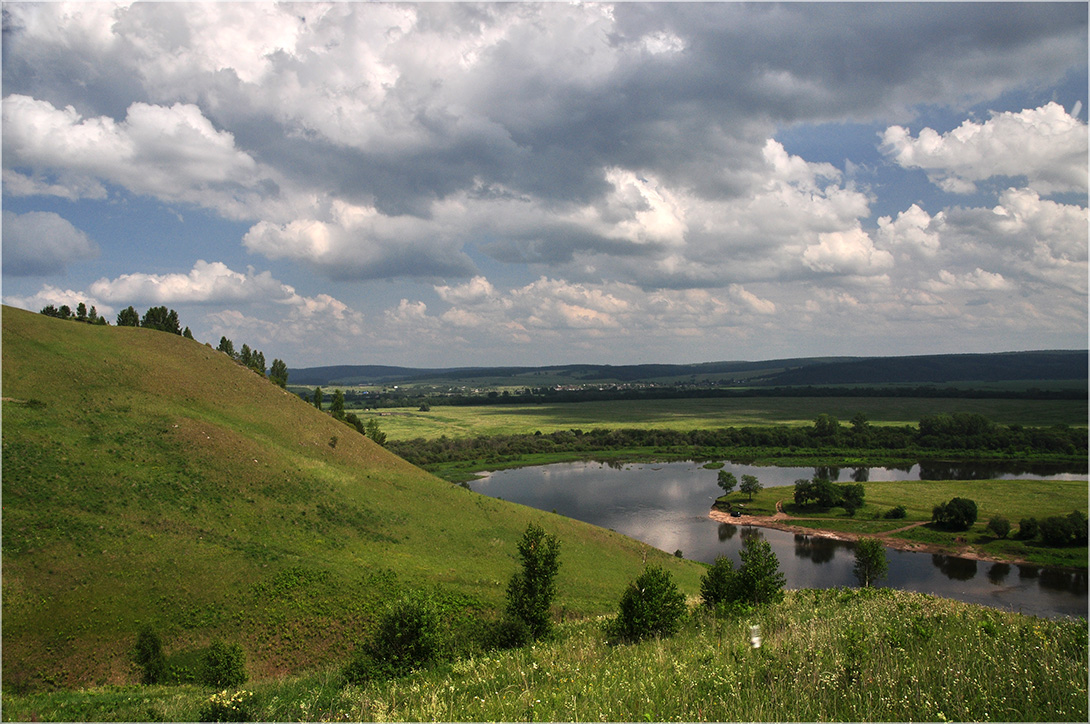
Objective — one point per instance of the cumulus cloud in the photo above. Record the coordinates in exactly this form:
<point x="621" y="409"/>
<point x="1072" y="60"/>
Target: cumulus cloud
<point x="56" y="296"/>
<point x="206" y="283"/>
<point x="1046" y="145"/>
<point x="173" y="153"/>
<point x="850" y="252"/>
<point x="978" y="280"/>
<point x="911" y="231"/>
<point x="618" y="162"/>
<point x="40" y="243"/>
<point x="359" y="242"/>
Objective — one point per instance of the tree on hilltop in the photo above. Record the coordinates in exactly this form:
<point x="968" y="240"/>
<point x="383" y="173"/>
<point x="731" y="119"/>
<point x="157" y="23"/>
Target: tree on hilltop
<point x="162" y="319"/>
<point x="278" y="373"/>
<point x="128" y="317"/>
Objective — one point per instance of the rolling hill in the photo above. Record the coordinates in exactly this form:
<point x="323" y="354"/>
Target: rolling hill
<point x="1027" y="367"/>
<point x="150" y="480"/>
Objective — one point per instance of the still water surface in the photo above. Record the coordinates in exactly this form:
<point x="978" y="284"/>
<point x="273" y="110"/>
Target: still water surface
<point x="666" y="505"/>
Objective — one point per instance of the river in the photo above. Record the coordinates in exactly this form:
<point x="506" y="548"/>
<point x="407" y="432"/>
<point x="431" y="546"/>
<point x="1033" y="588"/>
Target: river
<point x="666" y="505"/>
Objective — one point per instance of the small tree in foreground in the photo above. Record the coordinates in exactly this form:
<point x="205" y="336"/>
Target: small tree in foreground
<point x="717" y="585"/>
<point x="759" y="580"/>
<point x="870" y="561"/>
<point x="531" y="590"/>
<point x="148" y="655"/>
<point x="650" y="606"/>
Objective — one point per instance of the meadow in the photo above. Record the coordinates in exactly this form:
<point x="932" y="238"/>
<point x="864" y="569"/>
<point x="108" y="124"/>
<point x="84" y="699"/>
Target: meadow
<point x="708" y="413"/>
<point x="831" y="655"/>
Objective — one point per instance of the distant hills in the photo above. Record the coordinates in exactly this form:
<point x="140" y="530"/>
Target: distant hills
<point x="1048" y="365"/>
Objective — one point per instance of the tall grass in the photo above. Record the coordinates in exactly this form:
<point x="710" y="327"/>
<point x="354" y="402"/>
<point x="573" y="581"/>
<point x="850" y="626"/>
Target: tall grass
<point x="842" y="655"/>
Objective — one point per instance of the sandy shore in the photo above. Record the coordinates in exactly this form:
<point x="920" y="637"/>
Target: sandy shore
<point x="782" y="521"/>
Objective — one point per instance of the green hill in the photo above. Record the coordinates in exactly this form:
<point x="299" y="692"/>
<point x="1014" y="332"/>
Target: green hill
<point x="148" y="479"/>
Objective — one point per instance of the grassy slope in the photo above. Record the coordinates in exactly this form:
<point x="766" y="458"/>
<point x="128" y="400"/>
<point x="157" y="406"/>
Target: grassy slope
<point x="832" y="655"/>
<point x="162" y="483"/>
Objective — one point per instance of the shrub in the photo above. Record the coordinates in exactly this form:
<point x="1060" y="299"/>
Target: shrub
<point x="223" y="665"/>
<point x="1028" y="528"/>
<point x="717" y="585"/>
<point x="1078" y="524"/>
<point x="958" y="514"/>
<point x="148" y="655"/>
<point x="896" y="512"/>
<point x="221" y="707"/>
<point x="531" y="590"/>
<point x="408" y="637"/>
<point x="507" y="633"/>
<point x="650" y="606"/>
<point x="1000" y="526"/>
<point x="1056" y="531"/>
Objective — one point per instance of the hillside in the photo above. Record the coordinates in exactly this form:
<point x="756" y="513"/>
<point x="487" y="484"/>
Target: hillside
<point x="148" y="479"/>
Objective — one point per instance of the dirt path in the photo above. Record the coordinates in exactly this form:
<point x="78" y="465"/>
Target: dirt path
<point x="782" y="521"/>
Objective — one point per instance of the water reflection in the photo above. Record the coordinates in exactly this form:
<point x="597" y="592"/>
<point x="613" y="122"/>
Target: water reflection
<point x="666" y="505"/>
<point x="998" y="572"/>
<point x="814" y="548"/>
<point x="959" y="569"/>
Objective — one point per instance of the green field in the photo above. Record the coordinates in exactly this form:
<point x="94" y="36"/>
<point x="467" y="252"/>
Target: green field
<point x="707" y="413"/>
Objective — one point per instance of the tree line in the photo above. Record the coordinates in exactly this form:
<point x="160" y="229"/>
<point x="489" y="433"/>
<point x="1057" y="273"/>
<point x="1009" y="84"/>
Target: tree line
<point x="255" y="360"/>
<point x="960" y="433"/>
<point x="407" y="397"/>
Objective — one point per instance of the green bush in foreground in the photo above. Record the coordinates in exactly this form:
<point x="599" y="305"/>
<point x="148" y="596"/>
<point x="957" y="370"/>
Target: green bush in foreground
<point x="759" y="579"/>
<point x="650" y="606"/>
<point x="408" y="637"/>
<point x="223" y="665"/>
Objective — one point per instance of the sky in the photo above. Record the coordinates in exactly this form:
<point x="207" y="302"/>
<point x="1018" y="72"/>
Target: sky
<point x="461" y="184"/>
